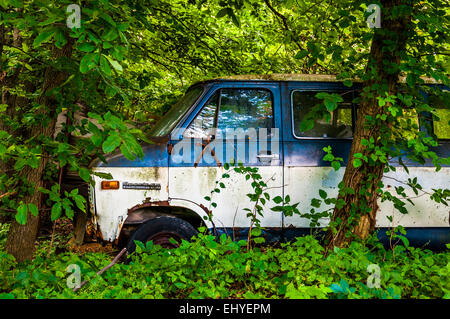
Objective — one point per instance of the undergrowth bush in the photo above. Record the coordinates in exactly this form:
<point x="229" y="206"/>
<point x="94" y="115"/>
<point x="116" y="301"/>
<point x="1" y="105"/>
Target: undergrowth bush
<point x="211" y="268"/>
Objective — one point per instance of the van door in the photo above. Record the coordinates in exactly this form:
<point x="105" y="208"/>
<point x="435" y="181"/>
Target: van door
<point x="305" y="172"/>
<point x="235" y="121"/>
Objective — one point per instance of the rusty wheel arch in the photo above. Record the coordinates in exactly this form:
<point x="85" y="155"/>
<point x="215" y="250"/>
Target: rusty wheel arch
<point x="141" y="213"/>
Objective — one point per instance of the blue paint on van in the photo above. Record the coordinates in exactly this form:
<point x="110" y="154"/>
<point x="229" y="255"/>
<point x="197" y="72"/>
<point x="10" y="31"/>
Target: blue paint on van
<point x="434" y="238"/>
<point x="155" y="155"/>
<point x="293" y="151"/>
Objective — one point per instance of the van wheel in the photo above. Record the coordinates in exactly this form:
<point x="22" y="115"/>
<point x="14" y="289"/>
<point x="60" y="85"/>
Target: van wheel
<point x="160" y="230"/>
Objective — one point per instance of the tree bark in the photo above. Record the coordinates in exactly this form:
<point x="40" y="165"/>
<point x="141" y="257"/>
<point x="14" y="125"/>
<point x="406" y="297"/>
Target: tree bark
<point x="357" y="178"/>
<point x="21" y="238"/>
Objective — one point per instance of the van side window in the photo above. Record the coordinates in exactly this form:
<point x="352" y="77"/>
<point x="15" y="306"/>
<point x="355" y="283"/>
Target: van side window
<point x="338" y="126"/>
<point x="204" y="121"/>
<point x="237" y="108"/>
<point x="245" y="108"/>
<point x="441" y="120"/>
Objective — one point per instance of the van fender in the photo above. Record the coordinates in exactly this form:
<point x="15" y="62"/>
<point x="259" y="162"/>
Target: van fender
<point x="184" y="209"/>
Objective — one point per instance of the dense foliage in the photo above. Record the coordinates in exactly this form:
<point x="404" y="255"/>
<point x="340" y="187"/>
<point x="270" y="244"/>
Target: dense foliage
<point x="130" y="60"/>
<point x="210" y="268"/>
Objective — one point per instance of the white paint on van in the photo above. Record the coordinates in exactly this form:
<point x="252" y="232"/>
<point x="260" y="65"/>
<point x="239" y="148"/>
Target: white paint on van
<point x="196" y="183"/>
<point x="187" y="187"/>
<point x="111" y="205"/>
<point x="303" y="184"/>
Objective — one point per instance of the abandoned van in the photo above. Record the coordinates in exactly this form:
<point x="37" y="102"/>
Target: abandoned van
<point x="254" y="120"/>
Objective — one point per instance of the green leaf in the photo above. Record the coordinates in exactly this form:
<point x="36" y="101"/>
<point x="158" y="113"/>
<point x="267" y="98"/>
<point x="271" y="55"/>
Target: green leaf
<point x="21" y="215"/>
<point x="347" y="83"/>
<point x="235" y="19"/>
<point x="110" y="35"/>
<point x="96" y="140"/>
<point x="277" y="199"/>
<point x="301" y="54"/>
<point x="330" y="105"/>
<point x="43" y="37"/>
<point x="86" y="47"/>
<point x="222" y="13"/>
<point x="336" y="165"/>
<point x="80" y="202"/>
<point x="33" y="209"/>
<point x="127" y="152"/>
<point x="306" y="125"/>
<point x="357" y="162"/>
<point x="116" y="65"/>
<point x="84" y="174"/>
<point x="111" y="143"/>
<point x="104" y="66"/>
<point x="259" y="240"/>
<point x="110" y="91"/>
<point x="56" y="211"/>
<point x="256" y="232"/>
<point x="88" y="62"/>
<point x="322" y="193"/>
<point x="107" y="18"/>
<point x="103" y="175"/>
<point x="315" y="202"/>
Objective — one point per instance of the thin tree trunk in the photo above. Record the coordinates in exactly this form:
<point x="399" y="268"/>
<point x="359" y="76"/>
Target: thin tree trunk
<point x="357" y="178"/>
<point x="21" y="238"/>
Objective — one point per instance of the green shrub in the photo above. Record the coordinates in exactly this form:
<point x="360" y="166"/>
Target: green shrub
<point x="210" y="268"/>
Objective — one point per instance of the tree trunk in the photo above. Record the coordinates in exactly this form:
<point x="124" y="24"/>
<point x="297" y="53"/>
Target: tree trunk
<point x="357" y="218"/>
<point x="21" y="238"/>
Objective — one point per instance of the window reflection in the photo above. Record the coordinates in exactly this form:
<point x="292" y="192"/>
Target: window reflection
<point x="339" y="125"/>
<point x="238" y="108"/>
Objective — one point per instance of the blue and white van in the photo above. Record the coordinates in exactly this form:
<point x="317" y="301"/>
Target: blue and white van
<point x="162" y="196"/>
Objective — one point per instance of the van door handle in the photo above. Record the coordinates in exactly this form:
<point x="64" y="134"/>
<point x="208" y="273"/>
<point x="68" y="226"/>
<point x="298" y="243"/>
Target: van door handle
<point x="268" y="156"/>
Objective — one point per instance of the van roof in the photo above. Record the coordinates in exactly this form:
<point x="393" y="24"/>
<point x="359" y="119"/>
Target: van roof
<point x="292" y="77"/>
<point x="283" y="77"/>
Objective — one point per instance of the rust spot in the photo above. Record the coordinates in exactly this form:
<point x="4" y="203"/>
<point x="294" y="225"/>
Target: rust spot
<point x="91" y="229"/>
<point x="204" y="146"/>
<point x="116" y="242"/>
<point x="99" y="234"/>
<point x="146" y="204"/>
<point x="205" y="209"/>
<point x="169" y="148"/>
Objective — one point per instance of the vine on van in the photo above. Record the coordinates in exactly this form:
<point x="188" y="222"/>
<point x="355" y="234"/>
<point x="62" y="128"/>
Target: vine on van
<point x="399" y="138"/>
<point x="259" y="197"/>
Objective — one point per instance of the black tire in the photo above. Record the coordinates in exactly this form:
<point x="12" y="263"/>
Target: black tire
<point x="160" y="229"/>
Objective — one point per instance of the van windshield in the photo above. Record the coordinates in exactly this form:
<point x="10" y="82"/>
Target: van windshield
<point x="176" y="113"/>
